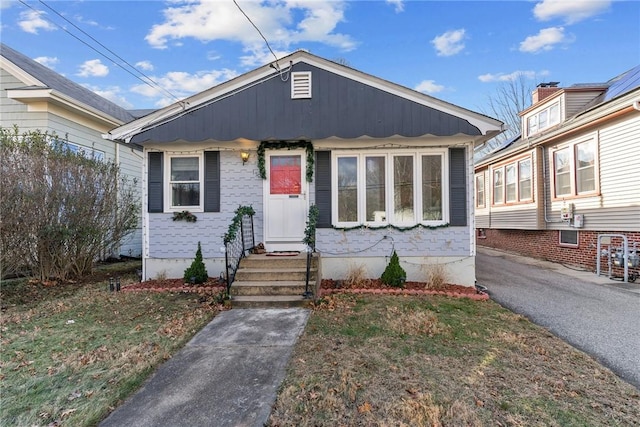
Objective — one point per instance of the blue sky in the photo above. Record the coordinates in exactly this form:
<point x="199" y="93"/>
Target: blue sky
<point x="458" y="51"/>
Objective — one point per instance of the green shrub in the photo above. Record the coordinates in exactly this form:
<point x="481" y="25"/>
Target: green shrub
<point x="197" y="271"/>
<point x="394" y="275"/>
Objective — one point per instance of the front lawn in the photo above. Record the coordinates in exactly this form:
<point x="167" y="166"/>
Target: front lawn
<point x="72" y="352"/>
<point x="438" y="361"/>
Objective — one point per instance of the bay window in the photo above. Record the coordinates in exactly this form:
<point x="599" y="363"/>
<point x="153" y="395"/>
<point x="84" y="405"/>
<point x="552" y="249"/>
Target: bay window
<point x="381" y="188"/>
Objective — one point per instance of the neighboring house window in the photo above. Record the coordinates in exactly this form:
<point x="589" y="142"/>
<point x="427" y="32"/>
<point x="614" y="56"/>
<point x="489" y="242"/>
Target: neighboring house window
<point x="568" y="238"/>
<point x="480" y="190"/>
<point x="381" y="188"/>
<point x="498" y="186"/>
<point x="89" y="153"/>
<point x="543" y="119"/>
<point x="524" y="183"/>
<point x="575" y="171"/>
<point x="512" y="182"/>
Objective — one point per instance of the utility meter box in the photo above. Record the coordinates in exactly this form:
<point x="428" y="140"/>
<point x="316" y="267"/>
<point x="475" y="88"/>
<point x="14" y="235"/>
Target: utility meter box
<point x="566" y="213"/>
<point x="578" y="220"/>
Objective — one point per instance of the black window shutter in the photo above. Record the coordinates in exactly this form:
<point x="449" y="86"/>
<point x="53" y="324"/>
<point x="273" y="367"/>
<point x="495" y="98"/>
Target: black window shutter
<point x="457" y="186"/>
<point x="155" y="202"/>
<point x="323" y="188"/>
<point x="212" y="181"/>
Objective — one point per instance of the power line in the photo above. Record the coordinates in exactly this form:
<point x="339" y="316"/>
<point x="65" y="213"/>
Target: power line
<point x="148" y="82"/>
<point x="263" y="38"/>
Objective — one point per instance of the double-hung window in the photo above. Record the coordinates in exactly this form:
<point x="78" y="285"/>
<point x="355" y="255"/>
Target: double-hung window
<point x="512" y="182"/>
<point x="480" y="197"/>
<point x="575" y="169"/>
<point x="543" y="119"/>
<point x="379" y="188"/>
<point x="185" y="182"/>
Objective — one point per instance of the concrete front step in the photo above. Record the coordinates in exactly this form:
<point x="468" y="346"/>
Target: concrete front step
<point x="247" y="288"/>
<point x="272" y="301"/>
<point x="273" y="274"/>
<point x="276" y="262"/>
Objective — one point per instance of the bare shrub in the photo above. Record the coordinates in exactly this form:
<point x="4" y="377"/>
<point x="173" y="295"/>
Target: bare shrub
<point x="356" y="277"/>
<point x="61" y="211"/>
<point x="436" y="277"/>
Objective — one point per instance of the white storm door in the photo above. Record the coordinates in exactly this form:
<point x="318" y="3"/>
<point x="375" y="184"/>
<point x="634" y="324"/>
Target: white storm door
<point x="285" y="201"/>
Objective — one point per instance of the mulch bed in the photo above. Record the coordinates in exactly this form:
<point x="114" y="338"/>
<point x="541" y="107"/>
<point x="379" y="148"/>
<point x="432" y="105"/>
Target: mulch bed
<point x="327" y="287"/>
<point x="176" y="285"/>
<point x="375" y="286"/>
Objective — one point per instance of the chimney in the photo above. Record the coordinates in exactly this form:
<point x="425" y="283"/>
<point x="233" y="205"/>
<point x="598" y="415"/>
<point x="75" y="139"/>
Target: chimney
<point x="544" y="90"/>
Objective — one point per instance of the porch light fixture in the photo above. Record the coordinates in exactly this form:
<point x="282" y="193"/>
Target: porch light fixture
<point x="244" y="155"/>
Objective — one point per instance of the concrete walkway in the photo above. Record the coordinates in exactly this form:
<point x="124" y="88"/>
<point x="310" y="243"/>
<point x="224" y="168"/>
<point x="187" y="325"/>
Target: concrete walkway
<point x="227" y="375"/>
<point x="593" y="313"/>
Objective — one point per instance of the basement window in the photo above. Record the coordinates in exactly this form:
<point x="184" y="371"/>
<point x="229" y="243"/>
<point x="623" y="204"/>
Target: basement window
<point x="568" y="238"/>
<point x="301" y="85"/>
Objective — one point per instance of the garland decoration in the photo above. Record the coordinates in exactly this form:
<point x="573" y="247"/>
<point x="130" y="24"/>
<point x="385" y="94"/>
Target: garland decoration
<point x="310" y="229"/>
<point x="230" y="235"/>
<point x="390" y="226"/>
<point x="184" y="216"/>
<point x="279" y="145"/>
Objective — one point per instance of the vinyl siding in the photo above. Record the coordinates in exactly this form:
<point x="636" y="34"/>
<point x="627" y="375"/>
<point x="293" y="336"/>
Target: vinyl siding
<point x="13" y="112"/>
<point x="617" y="207"/>
<point x="574" y="102"/>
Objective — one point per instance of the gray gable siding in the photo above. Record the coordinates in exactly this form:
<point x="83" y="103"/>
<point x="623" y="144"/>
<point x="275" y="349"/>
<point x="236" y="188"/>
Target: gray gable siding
<point x="339" y="107"/>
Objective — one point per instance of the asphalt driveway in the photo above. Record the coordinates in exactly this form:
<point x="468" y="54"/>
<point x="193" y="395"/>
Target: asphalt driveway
<point x="595" y="314"/>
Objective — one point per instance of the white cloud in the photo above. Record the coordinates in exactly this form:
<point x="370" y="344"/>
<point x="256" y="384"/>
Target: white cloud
<point x="182" y="84"/>
<point x="113" y="94"/>
<point x="144" y="65"/>
<point x="93" y="68"/>
<point x="515" y="75"/>
<point x="47" y="61"/>
<point x="31" y="21"/>
<point x="449" y="43"/>
<point x="571" y="11"/>
<point x="281" y="22"/>
<point x="398" y="5"/>
<point x="429" y="86"/>
<point x="546" y="39"/>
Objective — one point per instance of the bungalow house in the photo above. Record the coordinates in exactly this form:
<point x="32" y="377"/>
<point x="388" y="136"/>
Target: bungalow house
<point x="34" y="97"/>
<point x="388" y="168"/>
<point x="567" y="189"/>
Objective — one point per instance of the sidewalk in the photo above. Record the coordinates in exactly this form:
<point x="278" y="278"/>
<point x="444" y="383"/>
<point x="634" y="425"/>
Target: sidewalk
<point x="227" y="375"/>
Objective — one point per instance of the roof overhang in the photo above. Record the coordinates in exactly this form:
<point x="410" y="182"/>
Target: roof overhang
<point x="38" y="98"/>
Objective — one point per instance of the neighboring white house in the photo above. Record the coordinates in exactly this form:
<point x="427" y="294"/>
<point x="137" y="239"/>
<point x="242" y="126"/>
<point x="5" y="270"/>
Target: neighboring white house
<point x="34" y="97"/>
<point x="390" y="168"/>
<point x="572" y="178"/>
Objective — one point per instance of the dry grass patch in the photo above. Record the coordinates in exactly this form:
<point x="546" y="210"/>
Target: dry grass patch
<point x="71" y="354"/>
<point x="439" y="361"/>
<point x="356" y="277"/>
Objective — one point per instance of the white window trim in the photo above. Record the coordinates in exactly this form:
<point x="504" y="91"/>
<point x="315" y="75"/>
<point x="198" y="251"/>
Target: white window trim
<point x="480" y="201"/>
<point x="167" y="182"/>
<point x="389" y="194"/>
<point x="573" y="172"/>
<point x="552" y="120"/>
<point x="568" y="245"/>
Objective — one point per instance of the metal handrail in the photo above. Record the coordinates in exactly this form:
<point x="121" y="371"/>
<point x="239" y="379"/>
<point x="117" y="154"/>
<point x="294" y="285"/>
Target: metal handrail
<point x="237" y="248"/>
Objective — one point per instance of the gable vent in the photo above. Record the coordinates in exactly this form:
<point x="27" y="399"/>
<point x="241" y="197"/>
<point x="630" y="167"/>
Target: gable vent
<point x="301" y="85"/>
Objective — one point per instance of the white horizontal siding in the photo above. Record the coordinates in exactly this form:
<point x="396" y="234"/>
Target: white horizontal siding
<point x="576" y="101"/>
